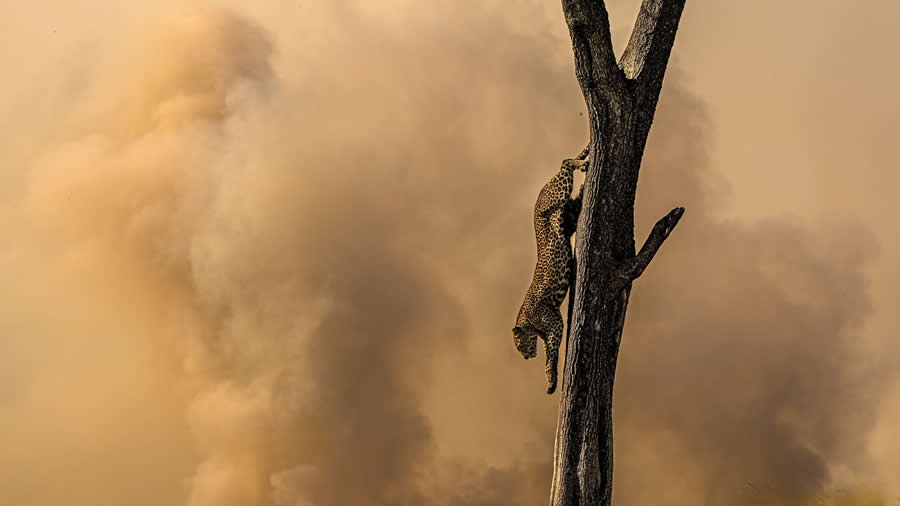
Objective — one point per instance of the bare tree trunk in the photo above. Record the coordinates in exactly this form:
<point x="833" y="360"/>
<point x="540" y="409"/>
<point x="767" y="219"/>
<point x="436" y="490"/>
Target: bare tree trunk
<point x="621" y="100"/>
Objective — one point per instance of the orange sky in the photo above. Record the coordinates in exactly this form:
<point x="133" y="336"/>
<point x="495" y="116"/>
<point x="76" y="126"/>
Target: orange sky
<point x="270" y="254"/>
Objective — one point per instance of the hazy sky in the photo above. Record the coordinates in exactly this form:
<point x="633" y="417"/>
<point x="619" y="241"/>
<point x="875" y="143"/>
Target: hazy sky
<point x="270" y="254"/>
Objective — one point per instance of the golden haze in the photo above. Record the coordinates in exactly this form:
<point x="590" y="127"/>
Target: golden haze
<point x="271" y="254"/>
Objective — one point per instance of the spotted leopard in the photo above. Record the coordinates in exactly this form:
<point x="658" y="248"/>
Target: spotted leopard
<point x="555" y="219"/>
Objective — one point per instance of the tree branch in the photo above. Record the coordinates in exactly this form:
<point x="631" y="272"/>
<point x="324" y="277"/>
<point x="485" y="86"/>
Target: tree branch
<point x="644" y="60"/>
<point x="595" y="61"/>
<point x="635" y="267"/>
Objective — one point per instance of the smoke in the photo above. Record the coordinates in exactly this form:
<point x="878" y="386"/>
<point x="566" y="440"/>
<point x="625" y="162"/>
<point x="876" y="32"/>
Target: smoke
<point x="742" y="364"/>
<point x="250" y="267"/>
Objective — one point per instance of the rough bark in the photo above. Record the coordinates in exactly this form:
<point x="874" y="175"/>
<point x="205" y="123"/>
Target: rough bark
<point x="621" y="100"/>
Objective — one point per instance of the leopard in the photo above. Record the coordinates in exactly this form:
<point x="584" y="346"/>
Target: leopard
<point x="555" y="220"/>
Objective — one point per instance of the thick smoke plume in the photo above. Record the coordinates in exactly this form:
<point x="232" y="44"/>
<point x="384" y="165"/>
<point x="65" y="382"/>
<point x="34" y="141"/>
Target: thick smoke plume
<point x="248" y="267"/>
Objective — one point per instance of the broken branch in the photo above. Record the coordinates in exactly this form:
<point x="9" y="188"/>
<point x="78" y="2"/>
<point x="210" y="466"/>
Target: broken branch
<point x="647" y="54"/>
<point x="635" y="267"/>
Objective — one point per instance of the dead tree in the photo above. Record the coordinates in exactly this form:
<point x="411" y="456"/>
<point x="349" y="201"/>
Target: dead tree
<point x="621" y="99"/>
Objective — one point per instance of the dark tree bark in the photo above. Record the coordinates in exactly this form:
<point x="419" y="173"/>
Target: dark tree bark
<point x="621" y="100"/>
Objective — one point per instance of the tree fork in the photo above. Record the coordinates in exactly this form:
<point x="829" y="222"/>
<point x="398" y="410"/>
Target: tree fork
<point x="621" y="100"/>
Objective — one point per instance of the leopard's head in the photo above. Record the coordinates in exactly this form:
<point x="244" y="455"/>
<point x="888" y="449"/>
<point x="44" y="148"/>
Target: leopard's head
<point x="525" y="339"/>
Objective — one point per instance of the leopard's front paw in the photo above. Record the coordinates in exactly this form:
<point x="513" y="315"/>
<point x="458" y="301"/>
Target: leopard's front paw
<point x="550" y="373"/>
<point x="551" y="386"/>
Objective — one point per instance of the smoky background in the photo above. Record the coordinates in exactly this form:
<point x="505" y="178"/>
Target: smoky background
<point x="272" y="254"/>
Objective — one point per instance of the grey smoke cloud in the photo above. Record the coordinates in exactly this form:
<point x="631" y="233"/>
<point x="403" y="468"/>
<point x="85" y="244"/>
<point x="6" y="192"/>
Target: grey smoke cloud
<point x="259" y="268"/>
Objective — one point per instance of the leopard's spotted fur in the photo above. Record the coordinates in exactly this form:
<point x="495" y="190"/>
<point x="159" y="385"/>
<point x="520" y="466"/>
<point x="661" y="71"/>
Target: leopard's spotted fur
<point x="555" y="217"/>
